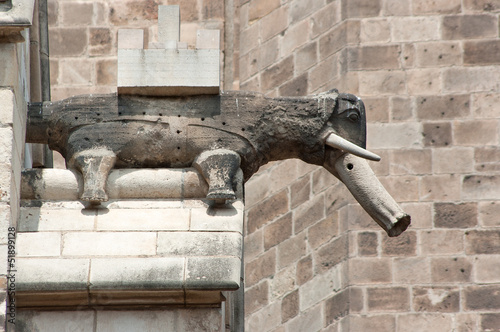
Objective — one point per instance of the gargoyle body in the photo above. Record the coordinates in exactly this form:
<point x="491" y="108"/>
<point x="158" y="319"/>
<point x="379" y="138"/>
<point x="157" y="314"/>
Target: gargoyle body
<point x="218" y="135"/>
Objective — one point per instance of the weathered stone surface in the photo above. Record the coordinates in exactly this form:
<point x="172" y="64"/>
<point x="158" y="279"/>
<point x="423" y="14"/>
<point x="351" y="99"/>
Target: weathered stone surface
<point x="257" y="297"/>
<point x="482" y="297"/>
<point x="469" y="26"/>
<point x="388" y="299"/>
<point x="436" y="299"/>
<point x="290" y="306"/>
<point x="457" y="269"/>
<point x="450" y="215"/>
<point x="482" y="242"/>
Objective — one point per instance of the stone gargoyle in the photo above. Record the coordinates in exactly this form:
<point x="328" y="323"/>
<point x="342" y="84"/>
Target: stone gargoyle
<point x="216" y="134"/>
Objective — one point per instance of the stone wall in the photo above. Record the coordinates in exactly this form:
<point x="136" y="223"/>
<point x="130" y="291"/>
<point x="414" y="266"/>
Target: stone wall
<point x="428" y="73"/>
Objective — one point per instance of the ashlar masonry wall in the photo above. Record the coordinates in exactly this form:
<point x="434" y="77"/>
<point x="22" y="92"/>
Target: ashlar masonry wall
<point x="428" y="73"/>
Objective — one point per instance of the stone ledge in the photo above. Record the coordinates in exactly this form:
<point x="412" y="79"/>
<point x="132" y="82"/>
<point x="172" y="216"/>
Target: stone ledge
<point x="124" y="282"/>
<point x="14" y="20"/>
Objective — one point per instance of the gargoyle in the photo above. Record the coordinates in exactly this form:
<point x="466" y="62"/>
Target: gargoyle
<point x="217" y="134"/>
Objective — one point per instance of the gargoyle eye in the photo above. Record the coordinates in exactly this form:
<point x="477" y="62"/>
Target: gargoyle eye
<point x="353" y="116"/>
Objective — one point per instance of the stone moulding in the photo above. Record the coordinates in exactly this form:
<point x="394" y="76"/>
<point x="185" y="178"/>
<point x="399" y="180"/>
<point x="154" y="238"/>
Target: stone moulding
<point x="16" y="19"/>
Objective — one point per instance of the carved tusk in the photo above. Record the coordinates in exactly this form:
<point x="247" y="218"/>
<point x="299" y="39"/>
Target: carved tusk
<point x="338" y="142"/>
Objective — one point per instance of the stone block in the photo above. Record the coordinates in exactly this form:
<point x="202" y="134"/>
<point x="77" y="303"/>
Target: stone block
<point x="469" y="26"/>
<point x="38" y="244"/>
<point x="45" y="321"/>
<point x="374" y="57"/>
<point x="376" y="83"/>
<point x="51" y="274"/>
<point x="274" y="23"/>
<point x="490" y="322"/>
<point x="415" y="29"/>
<point x="470" y="79"/>
<point x="227" y="218"/>
<point x="283" y="283"/>
<point x="291" y="250"/>
<point x="412" y="270"/>
<point x="206" y="273"/>
<point x="311" y="320"/>
<point x="403" y="245"/>
<point x="256" y="297"/>
<point x="106" y="71"/>
<point x="98" y="244"/>
<point x="403" y="135"/>
<point x="133" y="220"/>
<point x="75" y="72"/>
<point x="482" y="297"/>
<point x="294" y="37"/>
<point x="300" y="191"/>
<point x="479" y="242"/>
<point x="278" y="74"/>
<point x="100" y="41"/>
<point x="397" y="7"/>
<point x="137" y="273"/>
<point x="440" y="187"/>
<point x="438" y="54"/>
<point x="254" y="245"/>
<point x="268" y="54"/>
<point x="443" y="107"/>
<point x="476" y="187"/>
<point x="370" y="270"/>
<point x="487" y="269"/>
<point x="169" y="23"/>
<point x="451" y="215"/>
<point x="8" y="106"/>
<point x="266" y="319"/>
<point x="436" y="299"/>
<point x="290" y="306"/>
<point x="483" y="104"/>
<point x="450" y="242"/>
<point x="416" y="162"/>
<point x="476" y="132"/>
<point x="375" y="30"/>
<point x="68" y="41"/>
<point x="207" y="39"/>
<point x="337" y="306"/>
<point x="448" y="270"/>
<point x="168" y="71"/>
<point x="373" y="323"/>
<point x="305" y="270"/>
<point x="319" y="288"/>
<point x="323" y="231"/>
<point x="76" y="13"/>
<point x="387" y="299"/>
<point x="437" y="134"/>
<point x="295" y="87"/>
<point x="323" y="19"/>
<point x="331" y="254"/>
<point x="360" y="8"/>
<point x="249" y="39"/>
<point x="143" y="12"/>
<point x="278" y="231"/>
<point x="325" y="71"/>
<point x="377" y="109"/>
<point x="309" y="213"/>
<point x="429" y="7"/>
<point x="482" y="52"/>
<point x="488" y="214"/>
<point x="267" y="210"/>
<point x="262" y="267"/>
<point x="487" y="158"/>
<point x="185" y="244"/>
<point x="423" y="82"/>
<point x="367" y="243"/>
<point x="333" y="41"/>
<point x="424" y="322"/>
<point x="260" y="8"/>
<point x="481" y="5"/>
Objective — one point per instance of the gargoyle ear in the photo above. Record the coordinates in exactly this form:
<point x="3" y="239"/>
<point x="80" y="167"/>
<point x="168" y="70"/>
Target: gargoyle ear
<point x="338" y="142"/>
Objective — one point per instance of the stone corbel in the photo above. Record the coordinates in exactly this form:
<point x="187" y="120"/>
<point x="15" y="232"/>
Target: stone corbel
<point x="15" y="16"/>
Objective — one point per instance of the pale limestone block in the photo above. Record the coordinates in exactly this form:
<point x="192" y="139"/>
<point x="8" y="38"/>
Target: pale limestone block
<point x="165" y="320"/>
<point x="485" y="105"/>
<point x="156" y="45"/>
<point x="320" y="287"/>
<point x="471" y="79"/>
<point x="227" y="218"/>
<point x="51" y="184"/>
<point x="424" y="322"/>
<point x="208" y="273"/>
<point x="421" y="214"/>
<point x="136" y="220"/>
<point x="208" y="39"/>
<point x="311" y="320"/>
<point x="456" y="160"/>
<point x="168" y="72"/>
<point x="7" y="106"/>
<point x="283" y="282"/>
<point x="5" y="221"/>
<point x="199" y="244"/>
<point x="38" y="244"/>
<point x="370" y="271"/>
<point x="438" y="242"/>
<point x="377" y="83"/>
<point x="137" y="273"/>
<point x="443" y="187"/>
<point x="487" y="269"/>
<point x="108" y="244"/>
<point x="6" y="144"/>
<point x="8" y="52"/>
<point x="394" y="135"/>
<point x="375" y="30"/>
<point x="34" y="219"/>
<point x="413" y="270"/>
<point x="489" y="212"/>
<point x="143" y="204"/>
<point x="266" y="319"/>
<point x="169" y="18"/>
<point x="130" y="39"/>
<point x="481" y="187"/>
<point x="411" y="29"/>
<point x="423" y="82"/>
<point x="145" y="183"/>
<point x="49" y="321"/>
<point x="45" y="274"/>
